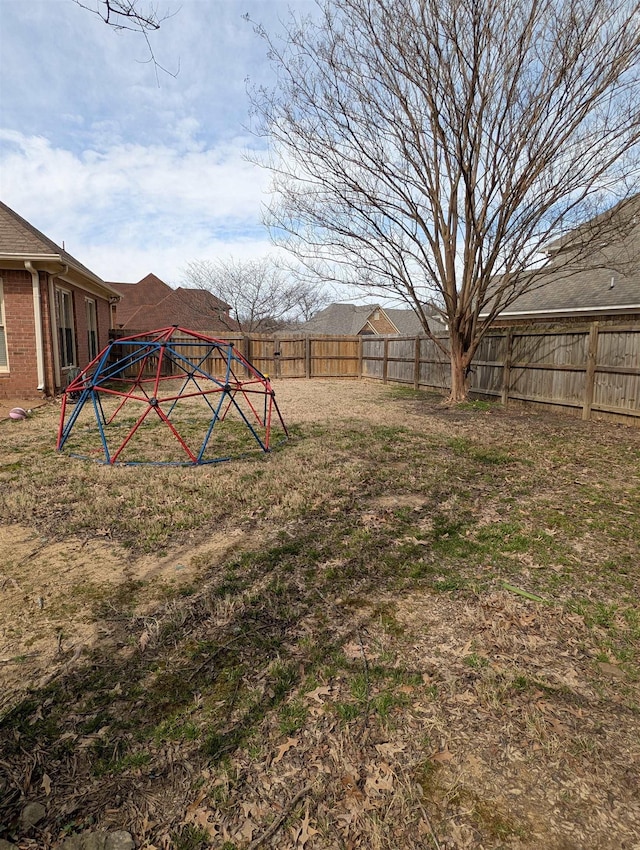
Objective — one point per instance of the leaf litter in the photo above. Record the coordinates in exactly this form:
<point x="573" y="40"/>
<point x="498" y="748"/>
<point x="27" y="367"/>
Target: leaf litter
<point x="269" y="707"/>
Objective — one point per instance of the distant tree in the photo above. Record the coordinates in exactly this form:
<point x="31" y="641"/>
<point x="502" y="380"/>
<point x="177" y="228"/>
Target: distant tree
<point x="430" y="149"/>
<point x="262" y="295"/>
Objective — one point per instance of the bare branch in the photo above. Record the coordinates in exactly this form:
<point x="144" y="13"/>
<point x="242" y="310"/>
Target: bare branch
<point x="125" y="14"/>
<point x="133" y="16"/>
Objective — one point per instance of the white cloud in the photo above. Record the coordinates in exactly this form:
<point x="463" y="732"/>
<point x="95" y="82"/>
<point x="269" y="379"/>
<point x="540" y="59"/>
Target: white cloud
<point x="134" y="176"/>
<point x="155" y="205"/>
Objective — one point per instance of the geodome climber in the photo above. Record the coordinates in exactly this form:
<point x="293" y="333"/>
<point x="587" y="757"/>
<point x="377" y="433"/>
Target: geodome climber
<point x="170" y="396"/>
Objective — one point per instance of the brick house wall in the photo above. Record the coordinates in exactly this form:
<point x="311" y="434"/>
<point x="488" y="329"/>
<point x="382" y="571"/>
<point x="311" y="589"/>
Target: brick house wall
<point x="21" y="381"/>
<point x="380" y="323"/>
<point x="22" y="378"/>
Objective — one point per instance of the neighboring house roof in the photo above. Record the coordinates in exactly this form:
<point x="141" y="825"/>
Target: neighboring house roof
<point x="151" y="304"/>
<point x="340" y="319"/>
<point x="594" y="291"/>
<point x="409" y="324"/>
<point x="353" y="319"/>
<point x="594" y="272"/>
<point x="20" y="241"/>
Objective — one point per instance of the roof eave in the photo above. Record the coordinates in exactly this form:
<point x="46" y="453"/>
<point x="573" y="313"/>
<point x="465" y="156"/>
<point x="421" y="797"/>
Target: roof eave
<point x="56" y="264"/>
<point x="564" y="311"/>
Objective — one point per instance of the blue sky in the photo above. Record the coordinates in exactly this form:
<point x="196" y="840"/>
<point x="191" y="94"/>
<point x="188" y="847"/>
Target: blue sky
<point x="135" y="173"/>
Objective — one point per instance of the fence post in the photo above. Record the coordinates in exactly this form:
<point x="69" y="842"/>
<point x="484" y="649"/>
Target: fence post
<point x="506" y="373"/>
<point x="360" y="355"/>
<point x="246" y="349"/>
<point x="590" y="376"/>
<point x="307" y="356"/>
<point x="416" y="365"/>
<point x="385" y="360"/>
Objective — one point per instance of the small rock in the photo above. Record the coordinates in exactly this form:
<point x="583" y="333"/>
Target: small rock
<point x="120" y="840"/>
<point x="5" y="845"/>
<point x="32" y="814"/>
<point x="74" y="842"/>
<point x="94" y="841"/>
<point x="611" y="670"/>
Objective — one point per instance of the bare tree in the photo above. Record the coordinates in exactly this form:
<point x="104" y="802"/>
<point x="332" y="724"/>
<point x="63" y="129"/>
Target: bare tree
<point x="262" y="295"/>
<point x="431" y="149"/>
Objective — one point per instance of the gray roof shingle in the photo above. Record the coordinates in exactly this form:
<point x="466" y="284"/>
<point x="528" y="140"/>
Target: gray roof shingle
<point x="598" y="269"/>
<point x="19" y="237"/>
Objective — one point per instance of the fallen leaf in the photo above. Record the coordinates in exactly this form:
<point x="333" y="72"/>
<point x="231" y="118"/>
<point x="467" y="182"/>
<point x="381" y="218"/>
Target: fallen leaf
<point x="442" y="756"/>
<point x="246" y="830"/>
<point x="380" y="779"/>
<point x="144" y="640"/>
<point x="611" y="670"/>
<point x="350" y="784"/>
<point x="305" y="831"/>
<point x="193" y="807"/>
<point x="353" y="651"/>
<point x="284" y="748"/>
<point x="318" y="692"/>
<point x="467" y="697"/>
<point x="389" y="749"/>
<point x="46" y="784"/>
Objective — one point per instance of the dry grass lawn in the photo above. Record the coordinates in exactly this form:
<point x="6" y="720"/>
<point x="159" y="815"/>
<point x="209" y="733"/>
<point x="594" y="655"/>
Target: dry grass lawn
<point x="408" y="627"/>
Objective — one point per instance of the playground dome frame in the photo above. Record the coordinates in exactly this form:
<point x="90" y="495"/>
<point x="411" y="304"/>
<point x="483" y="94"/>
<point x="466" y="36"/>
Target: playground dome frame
<point x="153" y="375"/>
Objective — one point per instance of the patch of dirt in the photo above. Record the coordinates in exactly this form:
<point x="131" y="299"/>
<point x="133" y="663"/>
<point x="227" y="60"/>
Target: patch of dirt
<point x="52" y="593"/>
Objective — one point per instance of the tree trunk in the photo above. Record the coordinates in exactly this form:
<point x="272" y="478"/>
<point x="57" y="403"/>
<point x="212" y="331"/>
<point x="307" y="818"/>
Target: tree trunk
<point x="459" y="375"/>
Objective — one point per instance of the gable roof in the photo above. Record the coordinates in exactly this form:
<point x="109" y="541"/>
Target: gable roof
<point x="150" y="290"/>
<point x="20" y="241"/>
<point x="151" y="303"/>
<point x="340" y="319"/>
<point x="350" y="319"/>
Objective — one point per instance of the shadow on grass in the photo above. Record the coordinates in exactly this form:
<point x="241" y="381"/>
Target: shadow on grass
<point x="200" y="677"/>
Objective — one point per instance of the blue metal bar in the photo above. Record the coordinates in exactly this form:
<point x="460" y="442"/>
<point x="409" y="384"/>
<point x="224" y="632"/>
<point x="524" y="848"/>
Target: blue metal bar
<point x="100" y="427"/>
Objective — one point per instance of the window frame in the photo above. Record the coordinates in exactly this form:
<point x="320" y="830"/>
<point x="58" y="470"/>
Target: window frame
<point x="66" y="334"/>
<point x="91" y="315"/>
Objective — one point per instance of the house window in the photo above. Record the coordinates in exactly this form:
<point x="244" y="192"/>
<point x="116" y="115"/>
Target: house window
<point x="66" y="328"/>
<point x="4" y="360"/>
<point x="92" y="327"/>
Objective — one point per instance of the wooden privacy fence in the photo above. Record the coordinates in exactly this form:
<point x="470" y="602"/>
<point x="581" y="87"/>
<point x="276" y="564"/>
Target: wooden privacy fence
<point x="297" y="356"/>
<point x="587" y="370"/>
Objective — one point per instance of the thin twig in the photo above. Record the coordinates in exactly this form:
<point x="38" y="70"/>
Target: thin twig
<point x="366" y="677"/>
<point x="428" y="822"/>
<point x="275" y="826"/>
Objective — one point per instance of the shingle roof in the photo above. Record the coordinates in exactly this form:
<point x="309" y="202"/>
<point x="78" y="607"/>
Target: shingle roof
<point x="591" y="289"/>
<point x="349" y="319"/>
<point x="19" y="237"/>
<point x="408" y="323"/>
<point x="597" y="270"/>
<point x="340" y="319"/>
<point x="151" y="304"/>
<point x="146" y="292"/>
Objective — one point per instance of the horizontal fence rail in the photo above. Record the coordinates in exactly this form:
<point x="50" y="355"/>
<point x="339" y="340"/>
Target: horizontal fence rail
<point x="590" y="371"/>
